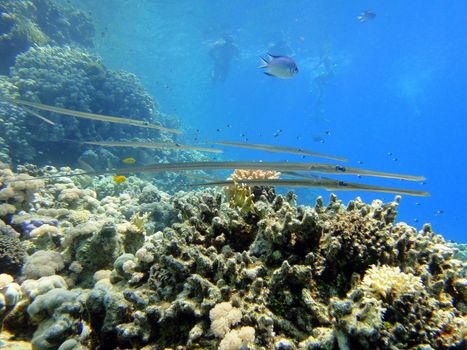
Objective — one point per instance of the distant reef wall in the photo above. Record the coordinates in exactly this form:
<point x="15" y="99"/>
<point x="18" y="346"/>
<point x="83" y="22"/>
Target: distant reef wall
<point x="45" y="58"/>
<point x="24" y="24"/>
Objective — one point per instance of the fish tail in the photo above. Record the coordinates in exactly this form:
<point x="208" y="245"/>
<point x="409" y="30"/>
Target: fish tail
<point x="264" y="62"/>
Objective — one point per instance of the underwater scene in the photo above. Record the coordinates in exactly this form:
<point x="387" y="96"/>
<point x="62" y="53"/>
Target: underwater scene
<point x="233" y="175"/>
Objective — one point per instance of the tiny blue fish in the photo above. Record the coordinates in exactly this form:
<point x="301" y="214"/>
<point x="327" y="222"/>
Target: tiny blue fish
<point x="279" y="66"/>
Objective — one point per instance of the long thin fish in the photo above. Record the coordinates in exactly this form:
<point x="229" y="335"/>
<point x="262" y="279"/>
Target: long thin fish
<point x="86" y="115"/>
<point x="280" y="149"/>
<point x="277" y="166"/>
<point x="151" y="145"/>
<point x="37" y="115"/>
<point x="327" y="184"/>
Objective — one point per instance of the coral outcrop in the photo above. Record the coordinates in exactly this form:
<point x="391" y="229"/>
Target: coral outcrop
<point x="74" y="79"/>
<point x="211" y="275"/>
<point x="24" y="24"/>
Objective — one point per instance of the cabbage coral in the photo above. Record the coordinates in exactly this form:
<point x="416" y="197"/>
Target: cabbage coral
<point x="387" y="281"/>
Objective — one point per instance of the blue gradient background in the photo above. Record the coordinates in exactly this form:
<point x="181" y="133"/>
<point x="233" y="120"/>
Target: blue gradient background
<point x="399" y="85"/>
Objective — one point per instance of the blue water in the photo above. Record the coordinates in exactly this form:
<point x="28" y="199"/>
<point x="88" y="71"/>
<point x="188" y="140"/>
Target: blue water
<point x="395" y="101"/>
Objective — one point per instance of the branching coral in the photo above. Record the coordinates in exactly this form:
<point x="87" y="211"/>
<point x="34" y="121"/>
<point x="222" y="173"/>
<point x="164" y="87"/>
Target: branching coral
<point x="283" y="277"/>
<point x="251" y="174"/>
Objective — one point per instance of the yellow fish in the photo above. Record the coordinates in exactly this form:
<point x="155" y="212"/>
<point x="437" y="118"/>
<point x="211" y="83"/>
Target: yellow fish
<point x="129" y="160"/>
<point x="119" y="179"/>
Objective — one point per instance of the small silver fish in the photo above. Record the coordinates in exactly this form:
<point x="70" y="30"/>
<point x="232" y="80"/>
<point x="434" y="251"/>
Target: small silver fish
<point x="279" y="66"/>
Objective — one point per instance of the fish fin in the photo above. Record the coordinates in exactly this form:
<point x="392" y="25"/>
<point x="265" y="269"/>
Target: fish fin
<point x="270" y="74"/>
<point x="273" y="56"/>
<point x="264" y="62"/>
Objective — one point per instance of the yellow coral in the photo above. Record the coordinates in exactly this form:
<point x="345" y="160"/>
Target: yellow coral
<point x="240" y="196"/>
<point x="139" y="221"/>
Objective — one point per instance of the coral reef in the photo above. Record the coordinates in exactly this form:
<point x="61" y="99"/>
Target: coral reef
<point x="10" y="295"/>
<point x="11" y="254"/>
<point x="72" y="78"/>
<point x="242" y="196"/>
<point x="24" y="24"/>
<point x="249" y="174"/>
<point x="124" y="273"/>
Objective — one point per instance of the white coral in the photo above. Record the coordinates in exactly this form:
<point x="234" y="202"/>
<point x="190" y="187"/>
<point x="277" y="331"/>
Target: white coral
<point x="236" y="338"/>
<point x="223" y="316"/>
<point x="43" y="263"/>
<point x="44" y="230"/>
<point x="33" y="288"/>
<point x="387" y="280"/>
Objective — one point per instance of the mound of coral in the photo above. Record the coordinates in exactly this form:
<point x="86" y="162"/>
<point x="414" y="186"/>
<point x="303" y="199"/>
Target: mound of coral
<point x="140" y="269"/>
<point x="74" y="79"/>
<point x="28" y="23"/>
<point x="43" y="45"/>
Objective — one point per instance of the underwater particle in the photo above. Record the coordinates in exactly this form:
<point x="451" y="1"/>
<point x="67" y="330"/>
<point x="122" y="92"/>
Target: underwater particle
<point x="318" y="139"/>
<point x="366" y="16"/>
<point x="439" y="212"/>
<point x="129" y="160"/>
<point x="282" y="67"/>
<point x="119" y="179"/>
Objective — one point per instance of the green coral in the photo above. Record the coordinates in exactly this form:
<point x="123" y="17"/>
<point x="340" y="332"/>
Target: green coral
<point x="140" y="220"/>
<point x="11" y="254"/>
<point x="240" y="197"/>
